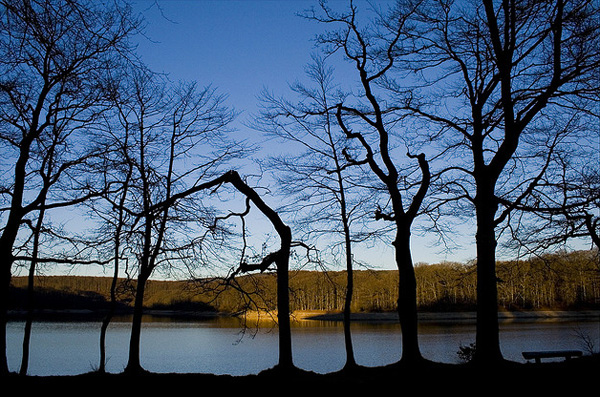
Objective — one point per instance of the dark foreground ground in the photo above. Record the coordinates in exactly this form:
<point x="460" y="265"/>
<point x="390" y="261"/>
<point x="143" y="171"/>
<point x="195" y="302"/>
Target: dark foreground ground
<point x="575" y="377"/>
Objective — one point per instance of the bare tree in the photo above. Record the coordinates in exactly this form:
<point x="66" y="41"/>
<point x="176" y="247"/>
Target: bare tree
<point x="501" y="81"/>
<point x="372" y="52"/>
<point x="37" y="230"/>
<point x="323" y="196"/>
<point x="111" y="211"/>
<point x="563" y="207"/>
<point x="279" y="258"/>
<point x="55" y="56"/>
<point x="49" y="171"/>
<point x="176" y="139"/>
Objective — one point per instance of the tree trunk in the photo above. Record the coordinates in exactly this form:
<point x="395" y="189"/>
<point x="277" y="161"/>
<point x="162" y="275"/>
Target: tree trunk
<point x="28" y="321"/>
<point x="31" y="295"/>
<point x="283" y="306"/>
<point x="350" y="360"/>
<point x="133" y="365"/>
<point x="107" y="319"/>
<point x="6" y="245"/>
<point x="407" y="298"/>
<point x="488" y="334"/>
<point x="5" y="283"/>
<point x="283" y="260"/>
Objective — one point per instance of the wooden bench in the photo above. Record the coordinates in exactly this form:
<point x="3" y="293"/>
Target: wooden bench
<point x="537" y="356"/>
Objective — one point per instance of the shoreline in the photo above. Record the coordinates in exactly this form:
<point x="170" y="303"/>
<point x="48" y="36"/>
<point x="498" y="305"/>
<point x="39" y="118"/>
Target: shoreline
<point x="467" y="316"/>
<point x="302" y="316"/>
<point x="429" y="377"/>
<point x="447" y="377"/>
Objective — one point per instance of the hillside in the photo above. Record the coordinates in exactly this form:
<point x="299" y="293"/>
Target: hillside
<point x="560" y="282"/>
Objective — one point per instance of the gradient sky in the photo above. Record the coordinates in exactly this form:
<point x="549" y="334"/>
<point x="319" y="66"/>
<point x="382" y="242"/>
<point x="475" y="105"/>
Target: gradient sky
<point x="241" y="47"/>
<point x="237" y="46"/>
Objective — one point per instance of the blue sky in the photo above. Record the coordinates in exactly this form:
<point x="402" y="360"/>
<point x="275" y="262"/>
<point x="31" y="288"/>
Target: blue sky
<point x="241" y="47"/>
<point x="237" y="46"/>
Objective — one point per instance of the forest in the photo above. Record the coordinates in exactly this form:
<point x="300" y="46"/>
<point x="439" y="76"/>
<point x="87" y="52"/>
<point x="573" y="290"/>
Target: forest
<point x="446" y="119"/>
<point x="563" y="281"/>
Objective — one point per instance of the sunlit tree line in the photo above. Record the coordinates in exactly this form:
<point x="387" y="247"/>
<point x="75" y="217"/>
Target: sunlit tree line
<point x="480" y="114"/>
<point x="555" y="282"/>
<point x="559" y="281"/>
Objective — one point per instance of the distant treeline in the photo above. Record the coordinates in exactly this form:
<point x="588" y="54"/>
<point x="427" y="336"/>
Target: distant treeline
<point x="558" y="281"/>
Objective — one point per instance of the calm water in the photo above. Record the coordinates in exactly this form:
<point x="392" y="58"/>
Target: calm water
<point x="219" y="347"/>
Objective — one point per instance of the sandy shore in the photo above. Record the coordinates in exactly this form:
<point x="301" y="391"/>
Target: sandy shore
<point x="300" y="316"/>
<point x="549" y="315"/>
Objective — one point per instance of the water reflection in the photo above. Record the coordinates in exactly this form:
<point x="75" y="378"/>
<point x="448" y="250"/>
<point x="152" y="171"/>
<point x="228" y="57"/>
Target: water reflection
<point x="222" y="345"/>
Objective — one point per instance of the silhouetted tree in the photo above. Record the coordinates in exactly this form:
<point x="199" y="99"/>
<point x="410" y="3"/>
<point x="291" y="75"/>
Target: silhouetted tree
<point x="48" y="174"/>
<point x="564" y="206"/>
<point x="177" y="139"/>
<point x="111" y="212"/>
<point x="372" y="52"/>
<point x="505" y="81"/>
<point x="279" y="258"/>
<point x="54" y="60"/>
<point x="37" y="230"/>
<point x="317" y="182"/>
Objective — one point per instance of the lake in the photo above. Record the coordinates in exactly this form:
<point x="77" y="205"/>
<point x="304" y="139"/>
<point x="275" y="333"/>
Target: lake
<point x="220" y="346"/>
